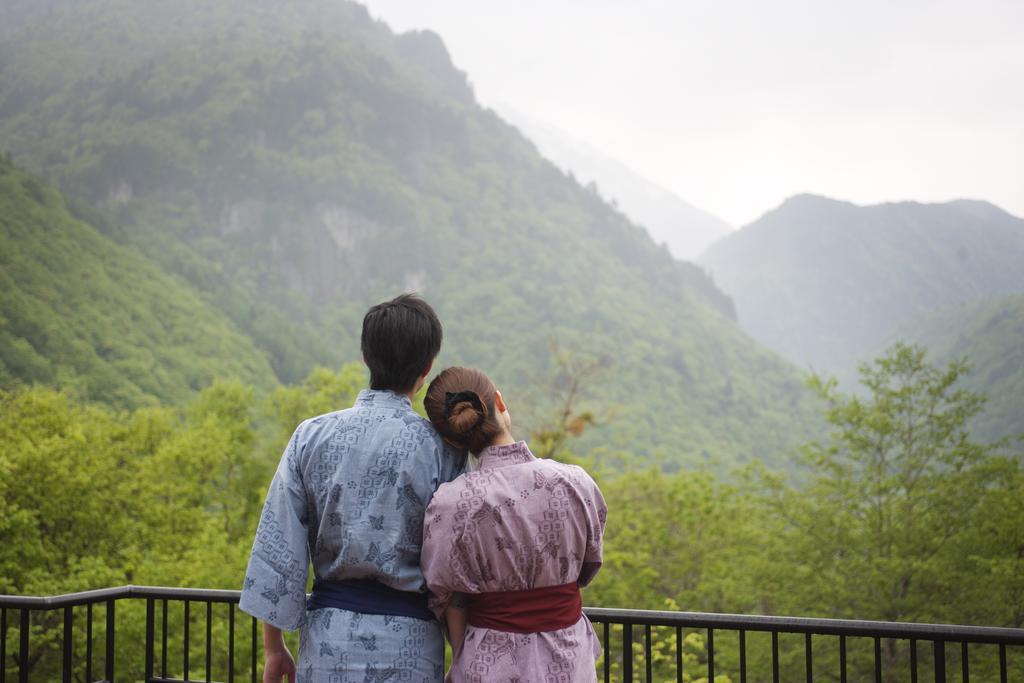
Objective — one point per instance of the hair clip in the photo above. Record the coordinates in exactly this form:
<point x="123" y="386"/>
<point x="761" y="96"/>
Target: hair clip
<point x="452" y="399"/>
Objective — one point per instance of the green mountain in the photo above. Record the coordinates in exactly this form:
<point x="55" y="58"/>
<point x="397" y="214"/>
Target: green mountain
<point x="991" y="334"/>
<point x="297" y="161"/>
<point x="78" y="311"/>
<point x="824" y="282"/>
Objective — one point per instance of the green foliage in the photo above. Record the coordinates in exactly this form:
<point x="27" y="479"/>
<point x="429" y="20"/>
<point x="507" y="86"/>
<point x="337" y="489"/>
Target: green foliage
<point x="81" y="312"/>
<point x="60" y="463"/>
<point x="156" y="495"/>
<point x="296" y="162"/>
<point x="321" y="392"/>
<point x="989" y="332"/>
<point x="91" y="498"/>
<point x="900" y="515"/>
<point x="890" y="522"/>
<point x="888" y="494"/>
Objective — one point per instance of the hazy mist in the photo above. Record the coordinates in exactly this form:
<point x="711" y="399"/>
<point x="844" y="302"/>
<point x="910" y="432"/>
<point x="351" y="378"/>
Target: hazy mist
<point x="743" y="104"/>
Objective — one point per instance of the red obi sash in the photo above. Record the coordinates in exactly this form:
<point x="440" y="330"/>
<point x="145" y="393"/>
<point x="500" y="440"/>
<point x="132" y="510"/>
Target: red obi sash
<point x="528" y="611"/>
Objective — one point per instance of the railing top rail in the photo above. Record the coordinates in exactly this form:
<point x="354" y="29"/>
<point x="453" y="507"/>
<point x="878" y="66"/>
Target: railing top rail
<point x="836" y="627"/>
<point x="197" y="594"/>
<point x="66" y="600"/>
<point x="103" y="594"/>
<point x="732" y="622"/>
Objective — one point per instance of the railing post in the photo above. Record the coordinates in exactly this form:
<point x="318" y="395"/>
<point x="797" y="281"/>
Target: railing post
<point x="209" y="636"/>
<point x="150" y="629"/>
<point x="185" y="642"/>
<point x="627" y="653"/>
<point x="878" y="660"/>
<point x="23" y="648"/>
<point x="808" y="658"/>
<point x="88" y="642"/>
<point x="648" y="664"/>
<point x="940" y="661"/>
<point x="913" y="661"/>
<point x="743" y="656"/>
<point x="110" y="641"/>
<point x="255" y="650"/>
<point x="711" y="654"/>
<point x="66" y="669"/>
<point x="163" y="639"/>
<point x="679" y="655"/>
<point x="3" y="645"/>
<point x="842" y="660"/>
<point x="231" y="643"/>
<point x="775" y="656"/>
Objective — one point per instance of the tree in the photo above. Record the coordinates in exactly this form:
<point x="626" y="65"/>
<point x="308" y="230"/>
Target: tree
<point x="66" y="519"/>
<point x="888" y="512"/>
<point x="576" y="374"/>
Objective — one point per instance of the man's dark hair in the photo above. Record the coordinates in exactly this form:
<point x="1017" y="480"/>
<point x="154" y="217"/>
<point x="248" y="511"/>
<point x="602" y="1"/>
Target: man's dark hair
<point x="400" y="339"/>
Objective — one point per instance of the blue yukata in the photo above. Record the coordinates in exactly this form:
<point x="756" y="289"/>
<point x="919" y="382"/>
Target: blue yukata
<point x="349" y="497"/>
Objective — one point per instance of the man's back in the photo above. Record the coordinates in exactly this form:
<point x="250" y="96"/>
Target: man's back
<point x="349" y="496"/>
<point x="369" y="472"/>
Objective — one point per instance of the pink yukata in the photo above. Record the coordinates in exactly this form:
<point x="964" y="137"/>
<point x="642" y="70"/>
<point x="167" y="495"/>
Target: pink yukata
<point x="516" y="523"/>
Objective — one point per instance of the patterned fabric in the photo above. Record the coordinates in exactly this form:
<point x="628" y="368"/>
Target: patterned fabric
<point x="516" y="523"/>
<point x="349" y="496"/>
<point x="337" y="646"/>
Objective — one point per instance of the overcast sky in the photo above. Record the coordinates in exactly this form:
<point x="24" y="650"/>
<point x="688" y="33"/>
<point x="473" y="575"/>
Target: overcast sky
<point x="737" y="105"/>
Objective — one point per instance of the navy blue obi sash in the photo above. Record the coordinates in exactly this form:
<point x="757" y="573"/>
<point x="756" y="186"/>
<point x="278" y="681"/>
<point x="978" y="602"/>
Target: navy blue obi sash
<point x="367" y="596"/>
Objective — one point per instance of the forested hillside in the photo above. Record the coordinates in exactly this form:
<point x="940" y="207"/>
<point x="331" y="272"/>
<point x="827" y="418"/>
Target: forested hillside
<point x="990" y="333"/>
<point x="295" y="162"/>
<point x="80" y="312"/>
<point x="826" y="282"/>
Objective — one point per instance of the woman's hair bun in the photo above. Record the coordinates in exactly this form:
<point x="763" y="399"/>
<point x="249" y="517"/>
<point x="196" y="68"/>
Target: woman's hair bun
<point x="464" y="417"/>
<point x="464" y="411"/>
<point x="462" y="406"/>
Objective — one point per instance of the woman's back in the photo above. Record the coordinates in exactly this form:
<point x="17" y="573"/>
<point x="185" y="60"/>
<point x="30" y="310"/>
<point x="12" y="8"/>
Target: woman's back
<point x="517" y="524"/>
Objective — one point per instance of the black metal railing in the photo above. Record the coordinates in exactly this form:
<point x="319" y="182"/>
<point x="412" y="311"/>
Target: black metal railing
<point x="900" y="662"/>
<point x="216" y="642"/>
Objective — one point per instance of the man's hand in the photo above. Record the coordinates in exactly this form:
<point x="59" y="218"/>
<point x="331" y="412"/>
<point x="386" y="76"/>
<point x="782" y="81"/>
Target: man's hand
<point x="278" y="665"/>
<point x="278" y="662"/>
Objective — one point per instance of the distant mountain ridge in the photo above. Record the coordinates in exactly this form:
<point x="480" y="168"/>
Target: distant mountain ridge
<point x="296" y="162"/>
<point x="824" y="281"/>
<point x="685" y="229"/>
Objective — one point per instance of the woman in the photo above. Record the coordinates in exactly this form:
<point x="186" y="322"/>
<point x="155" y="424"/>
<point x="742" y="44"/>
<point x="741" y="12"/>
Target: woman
<point x="507" y="547"/>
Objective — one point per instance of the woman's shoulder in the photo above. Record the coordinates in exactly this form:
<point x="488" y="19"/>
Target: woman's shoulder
<point x="568" y="470"/>
<point x="449" y="492"/>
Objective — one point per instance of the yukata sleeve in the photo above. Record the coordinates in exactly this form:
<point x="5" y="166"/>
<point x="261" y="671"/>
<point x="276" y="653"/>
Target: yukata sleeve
<point x="275" y="580"/>
<point x="436" y="557"/>
<point x="596" y="515"/>
<point x="453" y="462"/>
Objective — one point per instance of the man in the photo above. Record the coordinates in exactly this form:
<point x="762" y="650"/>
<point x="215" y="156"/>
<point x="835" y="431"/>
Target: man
<point x="349" y="496"/>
